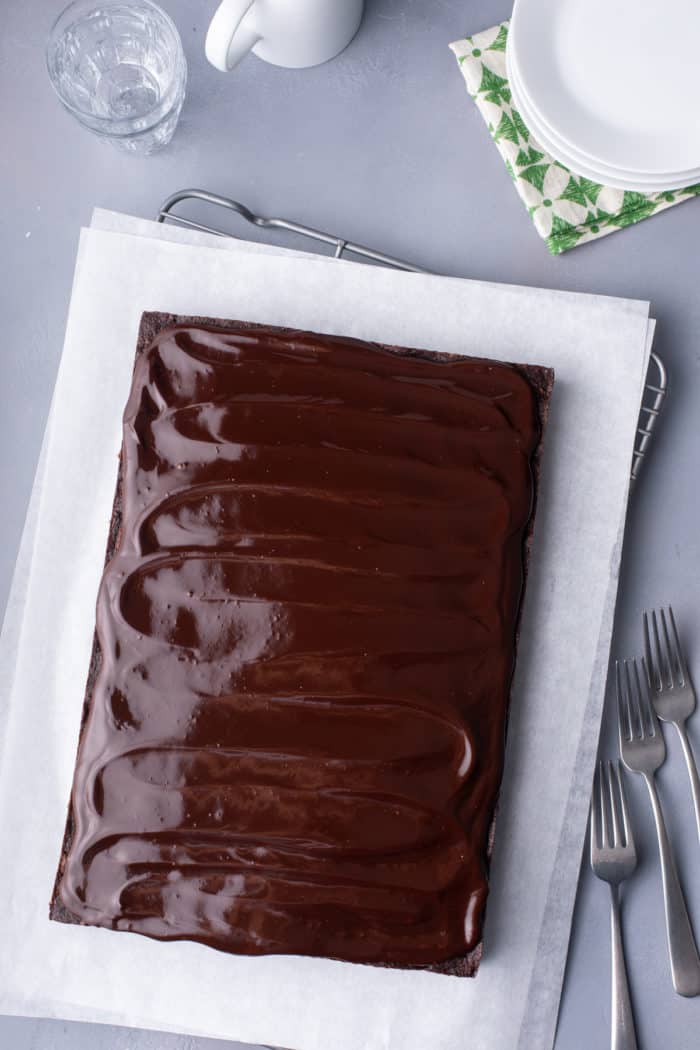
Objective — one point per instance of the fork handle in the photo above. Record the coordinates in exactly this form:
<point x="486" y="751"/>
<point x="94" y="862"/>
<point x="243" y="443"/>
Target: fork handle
<point x="692" y="770"/>
<point x="622" y="1033"/>
<point x="683" y="953"/>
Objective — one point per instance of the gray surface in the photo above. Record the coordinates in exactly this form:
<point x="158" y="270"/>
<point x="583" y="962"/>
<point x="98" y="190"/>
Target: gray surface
<point x="383" y="146"/>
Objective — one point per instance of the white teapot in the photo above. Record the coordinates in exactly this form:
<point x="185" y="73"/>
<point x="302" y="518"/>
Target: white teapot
<point x="291" y="33"/>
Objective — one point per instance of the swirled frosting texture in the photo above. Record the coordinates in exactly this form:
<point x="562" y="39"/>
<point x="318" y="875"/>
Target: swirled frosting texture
<point x="306" y="632"/>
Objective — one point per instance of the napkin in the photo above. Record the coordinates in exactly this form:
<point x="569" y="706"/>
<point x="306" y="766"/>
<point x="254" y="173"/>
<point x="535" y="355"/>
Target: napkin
<point x="566" y="209"/>
<point x="599" y="347"/>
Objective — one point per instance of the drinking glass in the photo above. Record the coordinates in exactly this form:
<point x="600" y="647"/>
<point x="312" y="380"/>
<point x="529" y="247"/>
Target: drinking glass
<point x="119" y="68"/>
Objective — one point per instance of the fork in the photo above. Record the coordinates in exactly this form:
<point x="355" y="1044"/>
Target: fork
<point x="643" y="750"/>
<point x="672" y="691"/>
<point x="613" y="859"/>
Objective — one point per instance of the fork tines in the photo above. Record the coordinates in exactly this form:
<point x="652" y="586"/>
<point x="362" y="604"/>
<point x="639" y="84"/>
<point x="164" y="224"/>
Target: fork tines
<point x="610" y="821"/>
<point x="636" y="716"/>
<point x="666" y="666"/>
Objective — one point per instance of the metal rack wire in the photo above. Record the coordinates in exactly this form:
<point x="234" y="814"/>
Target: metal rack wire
<point x="657" y="379"/>
<point x="655" y="391"/>
<point x="342" y="247"/>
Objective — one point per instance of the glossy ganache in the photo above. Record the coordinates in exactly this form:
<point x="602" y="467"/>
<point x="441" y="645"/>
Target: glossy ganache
<point x="305" y="635"/>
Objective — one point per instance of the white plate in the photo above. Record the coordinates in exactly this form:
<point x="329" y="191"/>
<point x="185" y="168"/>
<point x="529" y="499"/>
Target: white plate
<point x="630" y="182"/>
<point x="581" y="165"/>
<point x="616" y="79"/>
<point x="574" y="154"/>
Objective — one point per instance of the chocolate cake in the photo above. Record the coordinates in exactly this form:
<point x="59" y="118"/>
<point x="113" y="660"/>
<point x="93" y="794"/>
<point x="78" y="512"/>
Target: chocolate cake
<point x="294" y="722"/>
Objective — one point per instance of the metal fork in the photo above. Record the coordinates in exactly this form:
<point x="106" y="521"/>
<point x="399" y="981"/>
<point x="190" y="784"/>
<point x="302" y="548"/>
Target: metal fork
<point x="613" y="859"/>
<point x="643" y="750"/>
<point x="672" y="691"/>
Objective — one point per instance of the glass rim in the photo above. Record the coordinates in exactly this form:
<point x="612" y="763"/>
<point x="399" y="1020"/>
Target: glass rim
<point x="112" y="126"/>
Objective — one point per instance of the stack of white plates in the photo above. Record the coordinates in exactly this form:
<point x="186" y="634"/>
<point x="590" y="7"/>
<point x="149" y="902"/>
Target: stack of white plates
<point x="610" y="87"/>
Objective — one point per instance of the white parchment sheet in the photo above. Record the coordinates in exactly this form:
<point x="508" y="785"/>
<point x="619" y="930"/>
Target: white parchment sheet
<point x="599" y="348"/>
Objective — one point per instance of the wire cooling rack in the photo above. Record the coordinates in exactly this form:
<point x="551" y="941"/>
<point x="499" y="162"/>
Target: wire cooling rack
<point x="657" y="380"/>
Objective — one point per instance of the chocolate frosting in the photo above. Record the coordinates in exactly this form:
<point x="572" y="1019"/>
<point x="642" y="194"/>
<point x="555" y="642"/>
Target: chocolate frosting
<point x="307" y="629"/>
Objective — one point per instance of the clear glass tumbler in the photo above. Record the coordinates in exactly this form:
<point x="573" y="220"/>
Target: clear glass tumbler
<point x="119" y="68"/>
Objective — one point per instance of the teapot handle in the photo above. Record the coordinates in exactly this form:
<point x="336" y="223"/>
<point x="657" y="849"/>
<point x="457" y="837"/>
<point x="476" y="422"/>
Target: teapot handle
<point x="228" y="38"/>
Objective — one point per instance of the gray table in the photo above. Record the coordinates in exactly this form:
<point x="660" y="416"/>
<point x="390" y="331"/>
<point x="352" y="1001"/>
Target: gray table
<point x="384" y="147"/>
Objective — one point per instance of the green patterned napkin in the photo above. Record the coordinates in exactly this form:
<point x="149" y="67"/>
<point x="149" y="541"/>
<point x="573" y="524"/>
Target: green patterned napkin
<point x="566" y="209"/>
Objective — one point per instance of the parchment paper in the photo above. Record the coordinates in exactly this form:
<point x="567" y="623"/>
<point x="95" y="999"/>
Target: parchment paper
<point x="599" y="349"/>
